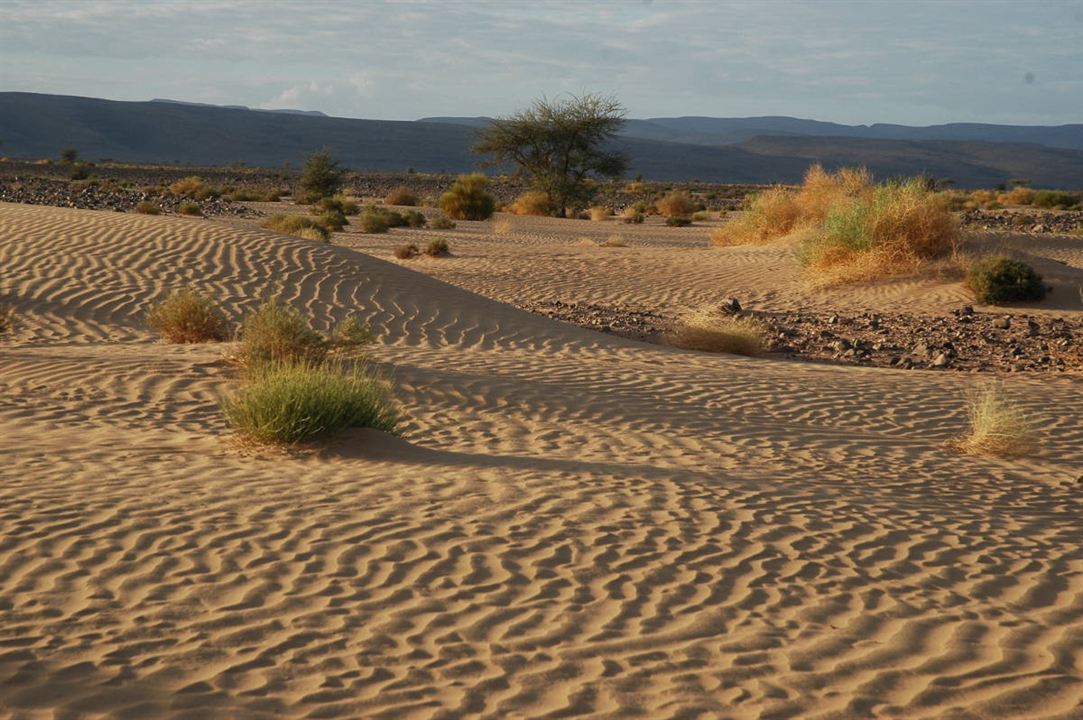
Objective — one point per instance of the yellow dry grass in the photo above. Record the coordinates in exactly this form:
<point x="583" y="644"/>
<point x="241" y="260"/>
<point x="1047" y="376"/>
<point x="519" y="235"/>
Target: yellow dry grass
<point x="997" y="425"/>
<point x="711" y="330"/>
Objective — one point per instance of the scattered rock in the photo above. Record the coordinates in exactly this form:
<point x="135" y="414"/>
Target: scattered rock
<point x="732" y="305"/>
<point x="1002" y="323"/>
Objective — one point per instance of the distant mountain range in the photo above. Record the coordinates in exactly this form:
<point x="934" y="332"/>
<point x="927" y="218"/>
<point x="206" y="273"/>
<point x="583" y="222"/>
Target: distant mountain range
<point x="737" y="150"/>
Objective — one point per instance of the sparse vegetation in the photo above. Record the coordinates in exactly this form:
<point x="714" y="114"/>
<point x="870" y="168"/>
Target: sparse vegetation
<point x="333" y="220"/>
<point x="676" y="204"/>
<point x="408" y="251"/>
<point x="191" y="209"/>
<point x="702" y="216"/>
<point x="997" y="426"/>
<point x="438" y="247"/>
<point x="468" y="199"/>
<point x="771" y="214"/>
<point x="442" y="222"/>
<point x="337" y="204"/>
<point x="600" y="214"/>
<point x="374" y="222"/>
<point x="191" y="186"/>
<point x="615" y="241"/>
<point x="299" y="225"/>
<point x="401" y="195"/>
<point x="996" y="279"/>
<point x="291" y="403"/>
<point x="278" y="333"/>
<point x="532" y="202"/>
<point x="631" y="215"/>
<point x="321" y="177"/>
<point x="711" y="330"/>
<point x="1054" y="199"/>
<point x="187" y="316"/>
<point x="148" y="208"/>
<point x="678" y="221"/>
<point x="69" y="155"/>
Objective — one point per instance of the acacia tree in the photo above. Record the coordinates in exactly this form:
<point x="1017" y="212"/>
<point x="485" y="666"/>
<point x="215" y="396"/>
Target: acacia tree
<point x="321" y="177"/>
<point x="559" y="144"/>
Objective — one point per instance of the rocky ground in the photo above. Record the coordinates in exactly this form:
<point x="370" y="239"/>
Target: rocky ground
<point x="1035" y="221"/>
<point x="963" y="341"/>
<point x="90" y="195"/>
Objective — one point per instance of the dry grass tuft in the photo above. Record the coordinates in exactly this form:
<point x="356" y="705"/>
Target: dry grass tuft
<point x="299" y="225"/>
<point x="401" y="195"/>
<point x="188" y="187"/>
<point x="148" y="208"/>
<point x="600" y="214"/>
<point x="615" y="241"/>
<point x="772" y="214"/>
<point x="676" y="204"/>
<point x="997" y="426"/>
<point x="187" y="316"/>
<point x="532" y="203"/>
<point x="468" y="199"/>
<point x="190" y="209"/>
<point x="711" y="330"/>
<point x="408" y="251"/>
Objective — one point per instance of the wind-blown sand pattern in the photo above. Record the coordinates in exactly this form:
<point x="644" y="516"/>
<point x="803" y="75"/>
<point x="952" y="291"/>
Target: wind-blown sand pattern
<point x="572" y="525"/>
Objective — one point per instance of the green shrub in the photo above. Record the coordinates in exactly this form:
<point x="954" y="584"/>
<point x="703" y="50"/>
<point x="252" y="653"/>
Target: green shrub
<point x="438" y="248"/>
<point x="277" y="333"/>
<point x="333" y="220"/>
<point x="468" y="199"/>
<point x="401" y="195"/>
<point x="442" y="222"/>
<point x="190" y="209"/>
<point x="374" y="222"/>
<point x="414" y="219"/>
<point x="338" y="204"/>
<point x="351" y="335"/>
<point x="997" y="278"/>
<point x="1054" y="199"/>
<point x="287" y="404"/>
<point x="186" y="316"/>
<point x="701" y="216"/>
<point x="321" y="177"/>
<point x="299" y="225"/>
<point x="147" y="208"/>
<point x="678" y="221"/>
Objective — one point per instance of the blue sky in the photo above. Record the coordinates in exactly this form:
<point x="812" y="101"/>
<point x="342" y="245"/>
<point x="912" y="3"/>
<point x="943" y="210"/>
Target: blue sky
<point x="852" y="61"/>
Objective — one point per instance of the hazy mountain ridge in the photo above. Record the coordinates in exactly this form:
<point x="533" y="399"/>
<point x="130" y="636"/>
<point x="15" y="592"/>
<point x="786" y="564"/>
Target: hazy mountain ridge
<point x="37" y="125"/>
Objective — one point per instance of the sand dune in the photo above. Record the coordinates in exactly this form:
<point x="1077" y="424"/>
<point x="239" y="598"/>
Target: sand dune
<point x="572" y="524"/>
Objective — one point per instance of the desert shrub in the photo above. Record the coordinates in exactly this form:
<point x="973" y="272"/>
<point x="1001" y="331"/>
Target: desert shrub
<point x="997" y="426"/>
<point x="468" y="199"/>
<point x="615" y="241"/>
<point x="333" y="220"/>
<point x="438" y="247"/>
<point x="337" y="204"/>
<point x="771" y="214"/>
<point x="278" y="333"/>
<point x="190" y="209"/>
<point x="822" y="191"/>
<point x="981" y="198"/>
<point x="701" y="216"/>
<point x="187" y="316"/>
<point x="442" y="222"/>
<point x="532" y="202"/>
<point x="298" y="225"/>
<point x="1018" y="195"/>
<point x="678" y="221"/>
<point x="631" y="215"/>
<point x="407" y="251"/>
<point x="676" y="204"/>
<point x="414" y="219"/>
<point x="953" y="200"/>
<point x="1054" y="199"/>
<point x="997" y="278"/>
<point x="7" y="318"/>
<point x="600" y="214"/>
<point x="890" y="230"/>
<point x="374" y="222"/>
<point x="290" y="403"/>
<point x="401" y="195"/>
<point x="148" y="208"/>
<point x="351" y="335"/>
<point x="79" y="171"/>
<point x="321" y="177"/>
<point x="712" y="330"/>
<point x="187" y="187"/>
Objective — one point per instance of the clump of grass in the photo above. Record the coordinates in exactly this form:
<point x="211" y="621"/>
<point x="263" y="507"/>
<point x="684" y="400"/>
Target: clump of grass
<point x="148" y="208"/>
<point x="7" y="318"/>
<point x="997" y="426"/>
<point x="632" y="215"/>
<point x="600" y="214"/>
<point x="414" y="219"/>
<point x="997" y="278"/>
<point x="892" y="229"/>
<point x="771" y="214"/>
<point x="278" y="333"/>
<point x="468" y="199"/>
<point x="1017" y="196"/>
<point x="292" y="403"/>
<point x="333" y="220"/>
<point x="409" y="251"/>
<point x="702" y="216"/>
<point x="401" y="195"/>
<point x="678" y="221"/>
<point x="532" y="202"/>
<point x="374" y="222"/>
<point x="187" y="316"/>
<point x="615" y="241"/>
<point x="713" y="330"/>
<point x="336" y="204"/>
<point x="676" y="204"/>
<point x="299" y="225"/>
<point x="442" y="222"/>
<point x="1054" y="199"/>
<point x="191" y="186"/>
<point x="189" y="208"/>
<point x="438" y="247"/>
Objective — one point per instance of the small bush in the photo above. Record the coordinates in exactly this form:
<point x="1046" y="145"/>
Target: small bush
<point x="321" y="177"/>
<point x="997" y="278"/>
<point x="715" y="331"/>
<point x="997" y="426"/>
<point x="1054" y="199"/>
<point x="1017" y="196"/>
<point x="188" y="187"/>
<point x="600" y="214"/>
<point x="414" y="219"/>
<point x="287" y="404"/>
<point x="401" y="195"/>
<point x="333" y="220"/>
<point x="615" y="241"/>
<point x="277" y="333"/>
<point x="676" y="204"/>
<point x="532" y="203"/>
<point x="702" y="216"/>
<point x="408" y="251"/>
<point x="442" y="222"/>
<point x="298" y="225"/>
<point x="468" y="199"/>
<point x="438" y="248"/>
<point x="190" y="209"/>
<point x="374" y="222"/>
<point x="351" y="335"/>
<point x="678" y="221"/>
<point x="336" y="204"/>
<point x="186" y="316"/>
<point x="631" y="215"/>
<point x="148" y="208"/>
<point x="771" y="214"/>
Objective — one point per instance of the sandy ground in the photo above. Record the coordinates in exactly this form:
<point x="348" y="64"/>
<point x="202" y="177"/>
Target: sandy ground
<point x="573" y="524"/>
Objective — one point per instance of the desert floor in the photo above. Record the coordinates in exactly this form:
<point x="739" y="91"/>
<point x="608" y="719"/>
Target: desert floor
<point x="572" y="524"/>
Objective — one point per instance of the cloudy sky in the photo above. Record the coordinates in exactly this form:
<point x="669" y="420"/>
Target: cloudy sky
<point x="852" y="61"/>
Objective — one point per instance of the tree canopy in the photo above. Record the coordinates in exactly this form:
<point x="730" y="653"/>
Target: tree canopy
<point x="321" y="177"/>
<point x="559" y="145"/>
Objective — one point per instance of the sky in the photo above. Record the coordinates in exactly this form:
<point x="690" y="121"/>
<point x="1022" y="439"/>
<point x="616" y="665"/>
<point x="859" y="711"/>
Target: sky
<point x="912" y="62"/>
